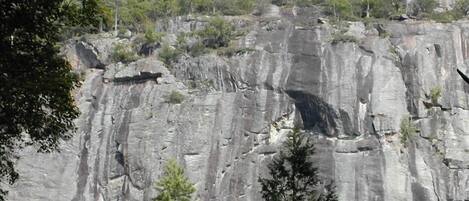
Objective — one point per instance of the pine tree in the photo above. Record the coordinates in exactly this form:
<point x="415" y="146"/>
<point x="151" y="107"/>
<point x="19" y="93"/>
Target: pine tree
<point x="329" y="194"/>
<point x="174" y="186"/>
<point x="293" y="175"/>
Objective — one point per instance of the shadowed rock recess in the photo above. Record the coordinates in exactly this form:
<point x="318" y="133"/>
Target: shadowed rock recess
<point x="237" y="110"/>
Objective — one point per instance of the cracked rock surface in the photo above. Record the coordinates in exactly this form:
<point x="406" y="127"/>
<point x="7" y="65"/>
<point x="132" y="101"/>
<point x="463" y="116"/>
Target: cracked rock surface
<point x="351" y="97"/>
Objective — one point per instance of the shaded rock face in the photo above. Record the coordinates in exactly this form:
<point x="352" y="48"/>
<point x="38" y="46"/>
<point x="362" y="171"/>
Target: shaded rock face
<point x="350" y="97"/>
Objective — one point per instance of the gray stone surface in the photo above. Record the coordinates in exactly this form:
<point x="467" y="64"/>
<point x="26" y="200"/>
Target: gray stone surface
<point x="350" y="97"/>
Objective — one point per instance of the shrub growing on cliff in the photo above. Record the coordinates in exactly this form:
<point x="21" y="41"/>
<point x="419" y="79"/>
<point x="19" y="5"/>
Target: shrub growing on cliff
<point x="435" y="94"/>
<point x="462" y="7"/>
<point x="306" y="3"/>
<point x="280" y="2"/>
<point x="292" y="173"/>
<point x="168" y="54"/>
<point x="234" y="7"/>
<point x="174" y="186"/>
<point x="407" y="130"/>
<point x="343" y="38"/>
<point x="218" y="33"/>
<point x="197" y="49"/>
<point x="123" y="53"/>
<point x="175" y="97"/>
<point x="151" y="36"/>
<point x="202" y="6"/>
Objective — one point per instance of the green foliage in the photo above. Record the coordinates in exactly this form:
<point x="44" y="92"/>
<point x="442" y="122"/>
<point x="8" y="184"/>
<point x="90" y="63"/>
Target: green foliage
<point x="36" y="103"/>
<point x="218" y="33"/>
<point x="197" y="49"/>
<point x="174" y="186"/>
<point x="181" y="41"/>
<point x="185" y="6"/>
<point x="462" y="7"/>
<point x="175" y="97"/>
<point x="168" y="54"/>
<point x="134" y="13"/>
<point x="106" y="15"/>
<point x="340" y="9"/>
<point x="435" y="94"/>
<point x="234" y="7"/>
<point x="280" y="2"/>
<point x="385" y="34"/>
<point x="329" y="194"/>
<point x="407" y="130"/>
<point x="88" y="13"/>
<point x="343" y="38"/>
<point x="167" y="8"/>
<point x="292" y="173"/>
<point x="232" y="51"/>
<point x="123" y="53"/>
<point x="381" y="8"/>
<point x="424" y="6"/>
<point x="262" y="7"/>
<point x="306" y="3"/>
<point x="445" y="17"/>
<point x="300" y="3"/>
<point x="201" y="84"/>
<point x="203" y="6"/>
<point x="151" y="36"/>
<point x="90" y="9"/>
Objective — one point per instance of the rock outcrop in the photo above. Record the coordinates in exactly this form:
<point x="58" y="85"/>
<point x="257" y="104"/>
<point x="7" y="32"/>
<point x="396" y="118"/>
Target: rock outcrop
<point x="351" y="97"/>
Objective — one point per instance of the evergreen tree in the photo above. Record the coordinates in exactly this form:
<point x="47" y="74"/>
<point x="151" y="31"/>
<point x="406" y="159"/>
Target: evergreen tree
<point x="174" y="186"/>
<point x="293" y="175"/>
<point x="329" y="194"/>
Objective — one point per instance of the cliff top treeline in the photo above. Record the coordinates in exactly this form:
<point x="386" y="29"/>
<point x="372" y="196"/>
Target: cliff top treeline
<point x="138" y="14"/>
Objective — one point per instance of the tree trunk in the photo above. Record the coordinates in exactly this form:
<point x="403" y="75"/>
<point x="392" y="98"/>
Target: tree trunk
<point x="367" y="8"/>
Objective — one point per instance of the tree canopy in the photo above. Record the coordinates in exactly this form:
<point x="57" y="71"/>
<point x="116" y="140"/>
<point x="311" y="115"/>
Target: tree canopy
<point x="293" y="175"/>
<point x="36" y="103"/>
<point x="174" y="185"/>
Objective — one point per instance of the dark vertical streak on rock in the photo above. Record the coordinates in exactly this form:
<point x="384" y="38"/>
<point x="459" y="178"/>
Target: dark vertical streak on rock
<point x="97" y="161"/>
<point x="214" y="156"/>
<point x="409" y="71"/>
<point x="83" y="169"/>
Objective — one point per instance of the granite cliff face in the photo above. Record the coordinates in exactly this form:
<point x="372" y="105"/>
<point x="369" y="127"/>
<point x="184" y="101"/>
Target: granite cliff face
<point x="350" y="96"/>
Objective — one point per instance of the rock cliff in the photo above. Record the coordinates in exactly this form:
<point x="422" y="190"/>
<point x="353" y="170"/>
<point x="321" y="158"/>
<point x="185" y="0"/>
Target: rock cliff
<point x="350" y="96"/>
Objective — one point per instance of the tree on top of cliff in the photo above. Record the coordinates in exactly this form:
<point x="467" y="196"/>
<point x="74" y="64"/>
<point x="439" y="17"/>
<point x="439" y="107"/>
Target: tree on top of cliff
<point x="293" y="175"/>
<point x="174" y="186"/>
<point x="36" y="103"/>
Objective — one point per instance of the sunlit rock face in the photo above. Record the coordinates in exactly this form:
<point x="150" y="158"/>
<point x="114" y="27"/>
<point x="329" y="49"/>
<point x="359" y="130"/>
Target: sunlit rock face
<point x="350" y="97"/>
